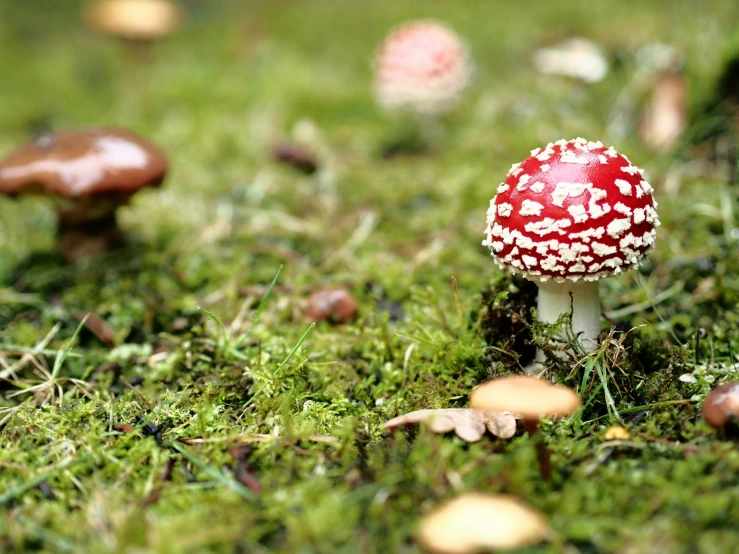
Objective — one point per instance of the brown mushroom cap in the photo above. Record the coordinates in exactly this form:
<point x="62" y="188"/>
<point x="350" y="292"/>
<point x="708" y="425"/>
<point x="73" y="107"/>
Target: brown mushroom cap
<point x="136" y="20"/>
<point x="530" y="397"/>
<point x="337" y="306"/>
<point x="721" y="405"/>
<point x="83" y="164"/>
<point x="475" y="522"/>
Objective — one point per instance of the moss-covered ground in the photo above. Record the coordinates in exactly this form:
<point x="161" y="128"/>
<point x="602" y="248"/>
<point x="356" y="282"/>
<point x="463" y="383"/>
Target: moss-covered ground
<point x="129" y="446"/>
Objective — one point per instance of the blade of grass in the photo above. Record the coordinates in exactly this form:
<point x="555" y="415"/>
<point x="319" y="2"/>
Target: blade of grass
<point x="61" y="355"/>
<point x="224" y="480"/>
<point x="15" y="492"/>
<point x="282" y="364"/>
<point x="263" y="303"/>
<point x="640" y="408"/>
<point x="221" y="326"/>
<point x="6" y="347"/>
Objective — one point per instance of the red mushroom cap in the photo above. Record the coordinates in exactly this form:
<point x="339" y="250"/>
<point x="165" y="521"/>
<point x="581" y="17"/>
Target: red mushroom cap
<point x="421" y="67"/>
<point x="572" y="210"/>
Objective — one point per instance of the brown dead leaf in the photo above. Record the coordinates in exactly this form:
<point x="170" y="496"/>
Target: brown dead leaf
<point x="98" y="327"/>
<point x="244" y="472"/>
<point x="468" y="424"/>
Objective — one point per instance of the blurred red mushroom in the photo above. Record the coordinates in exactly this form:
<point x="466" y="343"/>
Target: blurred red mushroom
<point x="421" y="68"/>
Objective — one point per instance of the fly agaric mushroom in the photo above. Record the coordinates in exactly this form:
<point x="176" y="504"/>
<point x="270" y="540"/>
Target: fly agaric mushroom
<point x="88" y="173"/>
<point x="140" y="21"/>
<point x="721" y="407"/>
<point x="421" y="68"/>
<point x="570" y="214"/>
<point x="476" y="522"/>
<point x="532" y="399"/>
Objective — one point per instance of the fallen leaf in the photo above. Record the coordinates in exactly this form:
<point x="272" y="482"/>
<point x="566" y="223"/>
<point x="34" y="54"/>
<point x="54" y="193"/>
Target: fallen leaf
<point x="98" y="327"/>
<point x="244" y="472"/>
<point x="468" y="424"/>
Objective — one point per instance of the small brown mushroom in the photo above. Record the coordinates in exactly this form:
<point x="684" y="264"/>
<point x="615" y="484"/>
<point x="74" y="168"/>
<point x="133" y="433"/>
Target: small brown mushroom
<point x="477" y="522"/>
<point x="336" y="306"/>
<point x="532" y="399"/>
<point x="721" y="407"/>
<point x="137" y="21"/>
<point x="88" y="173"/>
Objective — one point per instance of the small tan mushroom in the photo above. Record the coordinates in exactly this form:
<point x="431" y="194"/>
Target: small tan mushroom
<point x="666" y="115"/>
<point x="721" y="406"/>
<point x="616" y="433"/>
<point x="476" y="522"/>
<point x="140" y="21"/>
<point x="88" y="173"/>
<point x="532" y="399"/>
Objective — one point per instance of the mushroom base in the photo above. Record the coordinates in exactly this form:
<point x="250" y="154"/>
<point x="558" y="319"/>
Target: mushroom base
<point x="78" y="240"/>
<point x="584" y="303"/>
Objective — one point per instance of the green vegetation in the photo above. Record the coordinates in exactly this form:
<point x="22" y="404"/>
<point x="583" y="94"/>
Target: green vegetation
<point x="88" y="429"/>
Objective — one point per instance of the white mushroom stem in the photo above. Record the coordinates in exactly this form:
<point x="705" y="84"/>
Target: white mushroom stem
<point x="554" y="300"/>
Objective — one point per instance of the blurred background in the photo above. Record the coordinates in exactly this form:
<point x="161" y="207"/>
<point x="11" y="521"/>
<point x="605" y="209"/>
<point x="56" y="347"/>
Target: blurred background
<point x="237" y="77"/>
<point x="280" y="155"/>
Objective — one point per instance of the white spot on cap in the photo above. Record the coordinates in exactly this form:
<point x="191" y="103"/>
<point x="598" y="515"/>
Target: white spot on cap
<point x="639" y="216"/>
<point x="530" y="261"/>
<point x="624" y="187"/>
<point x="569" y="157"/>
<point x="529" y="208"/>
<point x="594" y="209"/>
<point x="617" y="227"/>
<point x="646" y="187"/>
<point x="537" y="187"/>
<point x="630" y="169"/>
<point x="601" y="249"/>
<point x="587" y="234"/>
<point x="547" y="226"/>
<point x="545" y="167"/>
<point x="564" y="190"/>
<point x="550" y="264"/>
<point x="522" y="182"/>
<point x="622" y="209"/>
<point x="578" y="213"/>
<point x="505" y="209"/>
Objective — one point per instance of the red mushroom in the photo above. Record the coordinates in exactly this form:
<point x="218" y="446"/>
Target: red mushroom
<point x="421" y="68"/>
<point x="570" y="214"/>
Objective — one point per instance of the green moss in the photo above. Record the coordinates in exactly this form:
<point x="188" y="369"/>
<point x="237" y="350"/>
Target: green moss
<point x="82" y="472"/>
